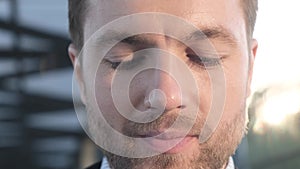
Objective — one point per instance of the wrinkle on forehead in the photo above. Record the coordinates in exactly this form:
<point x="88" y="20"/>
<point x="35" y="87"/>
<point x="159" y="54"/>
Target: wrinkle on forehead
<point x="212" y="13"/>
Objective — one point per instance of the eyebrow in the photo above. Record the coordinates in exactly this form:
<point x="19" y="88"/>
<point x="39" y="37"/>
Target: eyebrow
<point x="138" y="40"/>
<point x="113" y="37"/>
<point x="218" y="33"/>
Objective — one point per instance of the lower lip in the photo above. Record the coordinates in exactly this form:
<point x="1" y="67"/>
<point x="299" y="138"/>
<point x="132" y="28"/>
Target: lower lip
<point x="171" y="146"/>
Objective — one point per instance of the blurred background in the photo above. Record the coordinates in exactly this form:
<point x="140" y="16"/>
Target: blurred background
<point x="38" y="125"/>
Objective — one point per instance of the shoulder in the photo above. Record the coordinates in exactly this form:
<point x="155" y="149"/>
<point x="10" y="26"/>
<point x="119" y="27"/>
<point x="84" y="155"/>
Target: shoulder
<point x="95" y="166"/>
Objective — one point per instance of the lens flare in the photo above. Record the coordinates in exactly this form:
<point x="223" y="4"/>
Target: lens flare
<point x="277" y="108"/>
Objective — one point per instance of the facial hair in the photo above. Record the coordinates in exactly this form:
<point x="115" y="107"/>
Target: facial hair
<point x="212" y="154"/>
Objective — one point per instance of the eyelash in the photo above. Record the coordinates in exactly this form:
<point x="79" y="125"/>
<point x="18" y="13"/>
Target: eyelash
<point x="203" y="62"/>
<point x="112" y="64"/>
<point x="194" y="60"/>
<point x="126" y="64"/>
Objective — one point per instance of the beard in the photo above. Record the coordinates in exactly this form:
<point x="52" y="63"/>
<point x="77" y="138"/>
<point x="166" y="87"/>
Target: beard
<point x="212" y="154"/>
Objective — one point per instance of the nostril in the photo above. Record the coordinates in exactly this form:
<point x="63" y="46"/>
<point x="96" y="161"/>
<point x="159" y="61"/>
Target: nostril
<point x="147" y="104"/>
<point x="157" y="100"/>
<point x="181" y="107"/>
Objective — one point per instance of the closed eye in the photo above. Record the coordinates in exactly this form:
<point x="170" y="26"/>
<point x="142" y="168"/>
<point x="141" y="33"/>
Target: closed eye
<point x="126" y="62"/>
<point x="205" y="62"/>
<point x="112" y="64"/>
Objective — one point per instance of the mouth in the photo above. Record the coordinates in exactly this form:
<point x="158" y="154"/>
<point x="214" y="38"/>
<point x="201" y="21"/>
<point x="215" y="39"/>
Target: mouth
<point x="169" y="142"/>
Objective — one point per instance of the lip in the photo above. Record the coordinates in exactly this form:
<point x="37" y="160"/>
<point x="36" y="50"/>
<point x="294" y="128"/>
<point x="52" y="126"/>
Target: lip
<point x="167" y="135"/>
<point x="169" y="143"/>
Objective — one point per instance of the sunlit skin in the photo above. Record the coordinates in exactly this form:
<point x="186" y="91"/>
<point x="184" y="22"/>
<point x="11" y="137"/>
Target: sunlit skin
<point x="236" y="61"/>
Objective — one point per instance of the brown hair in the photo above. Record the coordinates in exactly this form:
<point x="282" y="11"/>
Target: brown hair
<point x="77" y="9"/>
<point x="76" y="17"/>
<point x="250" y="8"/>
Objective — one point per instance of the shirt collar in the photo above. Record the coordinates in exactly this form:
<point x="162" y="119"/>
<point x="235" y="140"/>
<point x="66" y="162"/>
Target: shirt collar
<point x="105" y="164"/>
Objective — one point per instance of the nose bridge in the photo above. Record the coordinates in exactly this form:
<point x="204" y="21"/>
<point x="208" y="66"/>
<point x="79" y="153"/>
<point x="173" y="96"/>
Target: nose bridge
<point x="164" y="81"/>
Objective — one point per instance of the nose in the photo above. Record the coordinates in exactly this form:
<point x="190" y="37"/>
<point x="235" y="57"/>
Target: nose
<point x="163" y="92"/>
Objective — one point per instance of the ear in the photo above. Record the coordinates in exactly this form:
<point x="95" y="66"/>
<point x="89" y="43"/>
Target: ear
<point x="72" y="51"/>
<point x="73" y="54"/>
<point x="252" y="56"/>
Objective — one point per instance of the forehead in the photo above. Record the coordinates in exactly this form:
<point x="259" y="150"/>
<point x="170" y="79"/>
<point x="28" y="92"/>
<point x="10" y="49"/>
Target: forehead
<point x="201" y="13"/>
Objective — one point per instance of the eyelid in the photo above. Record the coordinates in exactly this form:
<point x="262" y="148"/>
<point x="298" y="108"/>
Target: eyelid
<point x="113" y="65"/>
<point x="119" y="57"/>
<point x="205" y="57"/>
<point x="121" y="50"/>
<point x="203" y="52"/>
<point x="126" y="64"/>
<point x="204" y="62"/>
<point x="114" y="59"/>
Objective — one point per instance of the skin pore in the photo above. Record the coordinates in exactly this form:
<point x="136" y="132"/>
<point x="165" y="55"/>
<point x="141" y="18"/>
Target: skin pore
<point x="225" y="21"/>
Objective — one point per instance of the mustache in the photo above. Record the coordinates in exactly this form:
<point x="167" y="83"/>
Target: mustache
<point x="168" y="121"/>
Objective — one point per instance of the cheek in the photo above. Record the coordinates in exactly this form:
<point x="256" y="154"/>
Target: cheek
<point x="236" y="74"/>
<point x="235" y="85"/>
<point x="137" y="91"/>
<point x="105" y="101"/>
<point x="204" y="83"/>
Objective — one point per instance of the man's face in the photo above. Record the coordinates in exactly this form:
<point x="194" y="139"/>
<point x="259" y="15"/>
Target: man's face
<point x="151" y="89"/>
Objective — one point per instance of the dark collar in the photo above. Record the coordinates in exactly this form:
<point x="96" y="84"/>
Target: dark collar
<point x="95" y="166"/>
